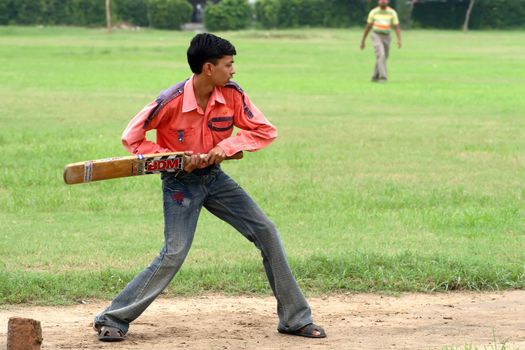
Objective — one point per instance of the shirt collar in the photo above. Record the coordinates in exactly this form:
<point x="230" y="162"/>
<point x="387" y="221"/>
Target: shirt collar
<point x="189" y="101"/>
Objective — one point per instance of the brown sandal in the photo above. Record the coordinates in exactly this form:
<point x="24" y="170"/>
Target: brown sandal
<point x="310" y="331"/>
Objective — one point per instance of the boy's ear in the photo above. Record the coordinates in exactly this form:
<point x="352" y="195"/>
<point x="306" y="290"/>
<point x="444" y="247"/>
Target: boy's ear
<point x="206" y="68"/>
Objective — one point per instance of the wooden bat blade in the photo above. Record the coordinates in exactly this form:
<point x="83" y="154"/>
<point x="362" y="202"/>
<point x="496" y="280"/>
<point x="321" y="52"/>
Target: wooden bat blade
<point x="112" y="168"/>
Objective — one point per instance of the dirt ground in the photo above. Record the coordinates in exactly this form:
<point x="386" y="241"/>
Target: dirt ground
<point x="354" y="321"/>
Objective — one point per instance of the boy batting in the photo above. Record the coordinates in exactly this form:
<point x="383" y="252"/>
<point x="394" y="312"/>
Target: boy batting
<point x="197" y="116"/>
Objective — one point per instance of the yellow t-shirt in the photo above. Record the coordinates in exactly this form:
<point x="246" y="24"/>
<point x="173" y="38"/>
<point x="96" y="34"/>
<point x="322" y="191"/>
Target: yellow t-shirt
<point x="382" y="20"/>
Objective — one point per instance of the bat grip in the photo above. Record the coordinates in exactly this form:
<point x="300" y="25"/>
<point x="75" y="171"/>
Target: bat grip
<point x="237" y="155"/>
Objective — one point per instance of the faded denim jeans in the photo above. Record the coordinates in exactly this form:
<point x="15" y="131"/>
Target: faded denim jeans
<point x="184" y="196"/>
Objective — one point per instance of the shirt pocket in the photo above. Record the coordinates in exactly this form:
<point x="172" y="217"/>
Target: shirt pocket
<point x="221" y="124"/>
<point x="182" y="135"/>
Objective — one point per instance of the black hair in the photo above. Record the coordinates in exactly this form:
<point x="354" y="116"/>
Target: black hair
<point x="207" y="47"/>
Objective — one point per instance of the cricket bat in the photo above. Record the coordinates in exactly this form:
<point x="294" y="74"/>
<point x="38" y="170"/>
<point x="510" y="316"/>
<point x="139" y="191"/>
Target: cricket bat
<point x="142" y="164"/>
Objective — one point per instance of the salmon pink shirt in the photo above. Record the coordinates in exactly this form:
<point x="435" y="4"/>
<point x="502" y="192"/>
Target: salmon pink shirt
<point x="181" y="125"/>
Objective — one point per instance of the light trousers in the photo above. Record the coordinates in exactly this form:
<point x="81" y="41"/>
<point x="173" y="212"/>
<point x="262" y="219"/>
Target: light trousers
<point x="381" y="43"/>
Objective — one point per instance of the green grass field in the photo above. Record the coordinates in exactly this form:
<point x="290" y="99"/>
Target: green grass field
<point x="414" y="185"/>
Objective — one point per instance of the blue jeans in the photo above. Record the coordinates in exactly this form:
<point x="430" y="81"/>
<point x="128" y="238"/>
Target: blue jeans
<point x="184" y="197"/>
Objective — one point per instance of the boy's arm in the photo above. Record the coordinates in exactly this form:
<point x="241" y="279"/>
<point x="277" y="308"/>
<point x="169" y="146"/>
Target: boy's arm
<point x="256" y="131"/>
<point x="398" y="33"/>
<point x="395" y="23"/>
<point x="134" y="136"/>
<point x="369" y="24"/>
<point x="365" y="34"/>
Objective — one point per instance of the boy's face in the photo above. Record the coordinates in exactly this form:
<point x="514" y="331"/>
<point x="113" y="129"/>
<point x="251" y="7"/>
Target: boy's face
<point x="383" y="3"/>
<point x="223" y="71"/>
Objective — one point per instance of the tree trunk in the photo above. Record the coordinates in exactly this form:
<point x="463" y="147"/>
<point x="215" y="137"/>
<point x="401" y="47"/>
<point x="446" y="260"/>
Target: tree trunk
<point x="404" y="11"/>
<point x="467" y="15"/>
<point x="108" y="14"/>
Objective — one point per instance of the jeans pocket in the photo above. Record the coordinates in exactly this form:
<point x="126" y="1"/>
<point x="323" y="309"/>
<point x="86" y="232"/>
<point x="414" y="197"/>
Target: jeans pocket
<point x="170" y="182"/>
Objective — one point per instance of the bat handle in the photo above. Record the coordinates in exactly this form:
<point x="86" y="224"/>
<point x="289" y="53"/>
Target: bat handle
<point x="237" y="155"/>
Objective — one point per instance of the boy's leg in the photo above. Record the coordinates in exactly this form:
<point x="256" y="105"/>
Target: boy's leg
<point x="182" y="205"/>
<point x="379" y="49"/>
<point x="228" y="201"/>
<point x="386" y="47"/>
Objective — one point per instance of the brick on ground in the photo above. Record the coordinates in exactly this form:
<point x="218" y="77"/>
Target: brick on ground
<point x="24" y="334"/>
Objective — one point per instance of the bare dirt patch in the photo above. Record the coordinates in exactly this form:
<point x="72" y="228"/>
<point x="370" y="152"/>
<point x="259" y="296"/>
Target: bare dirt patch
<point x="356" y="321"/>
